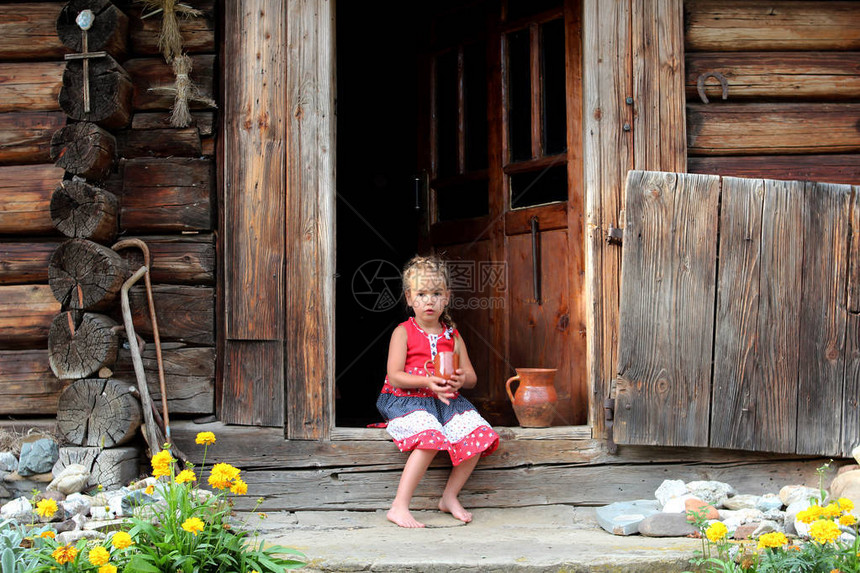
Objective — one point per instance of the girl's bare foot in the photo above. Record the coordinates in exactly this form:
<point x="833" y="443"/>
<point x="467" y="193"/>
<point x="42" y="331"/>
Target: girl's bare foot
<point x="403" y="518"/>
<point x="452" y="505"/>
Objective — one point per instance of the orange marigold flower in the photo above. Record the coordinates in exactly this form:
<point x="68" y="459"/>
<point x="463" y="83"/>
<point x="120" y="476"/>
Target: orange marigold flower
<point x="192" y="525"/>
<point x="99" y="555"/>
<point x="239" y="487"/>
<point x="149" y="489"/>
<point x="222" y="475"/>
<point x="64" y="554"/>
<point x="185" y="475"/>
<point x="121" y="540"/>
<point x="48" y="534"/>
<point x="205" y="438"/>
<point x="46" y="507"/>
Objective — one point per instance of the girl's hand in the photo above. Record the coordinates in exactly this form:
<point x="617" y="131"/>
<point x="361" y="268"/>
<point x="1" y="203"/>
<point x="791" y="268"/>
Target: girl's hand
<point x="457" y="380"/>
<point x="441" y="388"/>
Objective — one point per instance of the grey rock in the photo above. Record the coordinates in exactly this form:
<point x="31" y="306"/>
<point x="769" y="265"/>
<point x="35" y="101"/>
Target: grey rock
<point x="623" y="517"/>
<point x="4" y="493"/>
<point x="19" y="509"/>
<point x="768" y="501"/>
<point x="766" y="526"/>
<point x="134" y="499"/>
<point x="38" y="457"/>
<point x="8" y="462"/>
<point x="77" y="504"/>
<point x="72" y="537"/>
<point x="741" y="502"/>
<point x="668" y="489"/>
<point x="712" y="492"/>
<point x="55" y="495"/>
<point x="67" y="525"/>
<point x="793" y="493"/>
<point x="666" y="525"/>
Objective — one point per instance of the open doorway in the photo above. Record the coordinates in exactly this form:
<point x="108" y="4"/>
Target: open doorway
<point x="480" y="103"/>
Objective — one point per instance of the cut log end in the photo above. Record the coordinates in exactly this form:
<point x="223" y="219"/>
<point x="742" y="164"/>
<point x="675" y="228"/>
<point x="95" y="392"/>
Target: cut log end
<point x="109" y="31"/>
<point x="84" y="275"/>
<point x="101" y="413"/>
<point x="84" y="149"/>
<point x="80" y="344"/>
<point x="110" y="93"/>
<point x="83" y="211"/>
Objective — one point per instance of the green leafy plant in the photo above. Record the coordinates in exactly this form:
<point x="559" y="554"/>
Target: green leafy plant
<point x="15" y="556"/>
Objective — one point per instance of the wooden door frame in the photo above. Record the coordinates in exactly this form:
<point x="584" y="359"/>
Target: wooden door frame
<point x="283" y="123"/>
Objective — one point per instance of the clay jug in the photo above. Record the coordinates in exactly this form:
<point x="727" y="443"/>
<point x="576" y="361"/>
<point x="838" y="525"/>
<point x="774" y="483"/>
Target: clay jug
<point x="535" y="398"/>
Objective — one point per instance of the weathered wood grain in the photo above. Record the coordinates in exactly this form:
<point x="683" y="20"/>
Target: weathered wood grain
<point x="850" y="407"/>
<point x="31" y="33"/>
<point x="255" y="396"/>
<point x="30" y="86"/>
<point x="25" y="137"/>
<point x="26" y="312"/>
<point x="27" y="385"/>
<point x="108" y="87"/>
<point x="177" y="259"/>
<point x="83" y="211"/>
<point x="25" y="263"/>
<point x="26" y="192"/>
<point x="95" y="412"/>
<point x="109" y="31"/>
<point x="204" y="121"/>
<point x="189" y="375"/>
<point x="826" y="168"/>
<point x="153" y="81"/>
<point x="821" y="365"/>
<point x="84" y="149"/>
<point x="81" y="344"/>
<point x="821" y="76"/>
<point x="667" y="301"/>
<point x="736" y="372"/>
<point x="159" y="143"/>
<point x="85" y="275"/>
<point x="740" y="26"/>
<point x="185" y="313"/>
<point x="167" y="194"/>
<point x="198" y="33"/>
<point x="310" y="201"/>
<point x="772" y="128"/>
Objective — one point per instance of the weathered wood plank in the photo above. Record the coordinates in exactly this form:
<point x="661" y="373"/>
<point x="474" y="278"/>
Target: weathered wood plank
<point x="779" y="315"/>
<point x="27" y="385"/>
<point x="177" y="259"/>
<point x="159" y="143"/>
<point x="198" y="34"/>
<point x="153" y="81"/>
<point x="827" y="168"/>
<point x="309" y="228"/>
<point x="659" y="131"/>
<point x="167" y="194"/>
<point x="741" y="26"/>
<point x="607" y="156"/>
<point x="25" y="137"/>
<point x="31" y="33"/>
<point x="823" y="76"/>
<point x="821" y="343"/>
<point x="26" y="192"/>
<point x="851" y="393"/>
<point x="259" y="400"/>
<point x="667" y="302"/>
<point x="22" y="263"/>
<point x="204" y="121"/>
<point x="772" y="128"/>
<point x="736" y="372"/>
<point x="26" y="312"/>
<point x="189" y="376"/>
<point x="185" y="313"/>
<point x="31" y="86"/>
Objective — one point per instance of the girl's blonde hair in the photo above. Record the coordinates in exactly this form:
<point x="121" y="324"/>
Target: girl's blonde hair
<point x="433" y="265"/>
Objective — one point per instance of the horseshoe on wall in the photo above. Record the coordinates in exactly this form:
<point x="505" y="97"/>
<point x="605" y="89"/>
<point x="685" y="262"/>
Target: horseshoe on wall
<point x="700" y="84"/>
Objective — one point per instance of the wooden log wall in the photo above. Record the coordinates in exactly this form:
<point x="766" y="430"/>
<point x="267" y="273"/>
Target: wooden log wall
<point x="792" y="70"/>
<point x="162" y="180"/>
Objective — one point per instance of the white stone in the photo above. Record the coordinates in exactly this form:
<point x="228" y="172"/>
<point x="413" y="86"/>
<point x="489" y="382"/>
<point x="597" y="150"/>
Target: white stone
<point x="668" y="489"/>
<point x="741" y="502"/>
<point x="766" y="527"/>
<point x="712" y="492"/>
<point x="71" y="479"/>
<point x="77" y="504"/>
<point x="792" y="493"/>
<point x="619" y="518"/>
<point x="72" y="537"/>
<point x="856" y="453"/>
<point x="19" y="509"/>
<point x="677" y="504"/>
<point x="768" y="501"/>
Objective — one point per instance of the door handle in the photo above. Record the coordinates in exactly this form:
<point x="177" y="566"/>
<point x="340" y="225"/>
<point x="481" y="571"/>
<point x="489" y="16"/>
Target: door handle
<point x="536" y="286"/>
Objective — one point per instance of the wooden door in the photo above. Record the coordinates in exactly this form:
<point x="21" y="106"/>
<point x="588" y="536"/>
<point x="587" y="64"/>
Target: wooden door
<point x="502" y="157"/>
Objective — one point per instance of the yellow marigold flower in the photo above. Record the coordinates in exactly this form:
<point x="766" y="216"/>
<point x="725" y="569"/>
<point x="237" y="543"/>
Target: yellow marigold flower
<point x="46" y="507"/>
<point x="161" y="463"/>
<point x="48" y="534"/>
<point x="185" y="475"/>
<point x="716" y="531"/>
<point x="99" y="555"/>
<point x="107" y="568"/>
<point x="239" y="487"/>
<point x="847" y="519"/>
<point x="205" y="438"/>
<point x="64" y="554"/>
<point x="149" y="489"/>
<point x="845" y="504"/>
<point x="121" y="540"/>
<point x="192" y="525"/>
<point x="222" y="476"/>
<point x="830" y="511"/>
<point x="824" y="531"/>
<point x="809" y="514"/>
<point x="772" y="540"/>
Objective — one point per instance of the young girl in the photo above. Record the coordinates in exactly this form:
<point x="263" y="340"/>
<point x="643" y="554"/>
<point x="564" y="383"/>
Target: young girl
<point x="426" y="413"/>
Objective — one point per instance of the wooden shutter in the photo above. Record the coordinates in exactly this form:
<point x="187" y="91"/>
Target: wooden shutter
<point x="769" y="302"/>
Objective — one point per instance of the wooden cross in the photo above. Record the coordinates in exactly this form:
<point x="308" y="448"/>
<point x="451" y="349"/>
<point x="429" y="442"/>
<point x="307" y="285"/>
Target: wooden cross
<point x="85" y="21"/>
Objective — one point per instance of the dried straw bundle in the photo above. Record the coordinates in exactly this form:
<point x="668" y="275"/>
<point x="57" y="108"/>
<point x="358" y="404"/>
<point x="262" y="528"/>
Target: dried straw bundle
<point x="169" y="40"/>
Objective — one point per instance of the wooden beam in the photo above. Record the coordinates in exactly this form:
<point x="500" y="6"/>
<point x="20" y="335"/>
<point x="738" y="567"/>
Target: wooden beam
<point x="26" y="312"/>
<point x="178" y="259"/>
<point x="22" y="263"/>
<point x="26" y="192"/>
<point x="204" y="121"/>
<point x="773" y="128"/>
<point x="153" y="81"/>
<point x="30" y="86"/>
<point x="822" y="76"/>
<point x="25" y="137"/>
<point x="826" y="168"/>
<point x="185" y="313"/>
<point x="259" y="400"/>
<point x="786" y="25"/>
<point x="310" y="232"/>
<point x="184" y="142"/>
<point x="27" y="385"/>
<point x="30" y="34"/>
